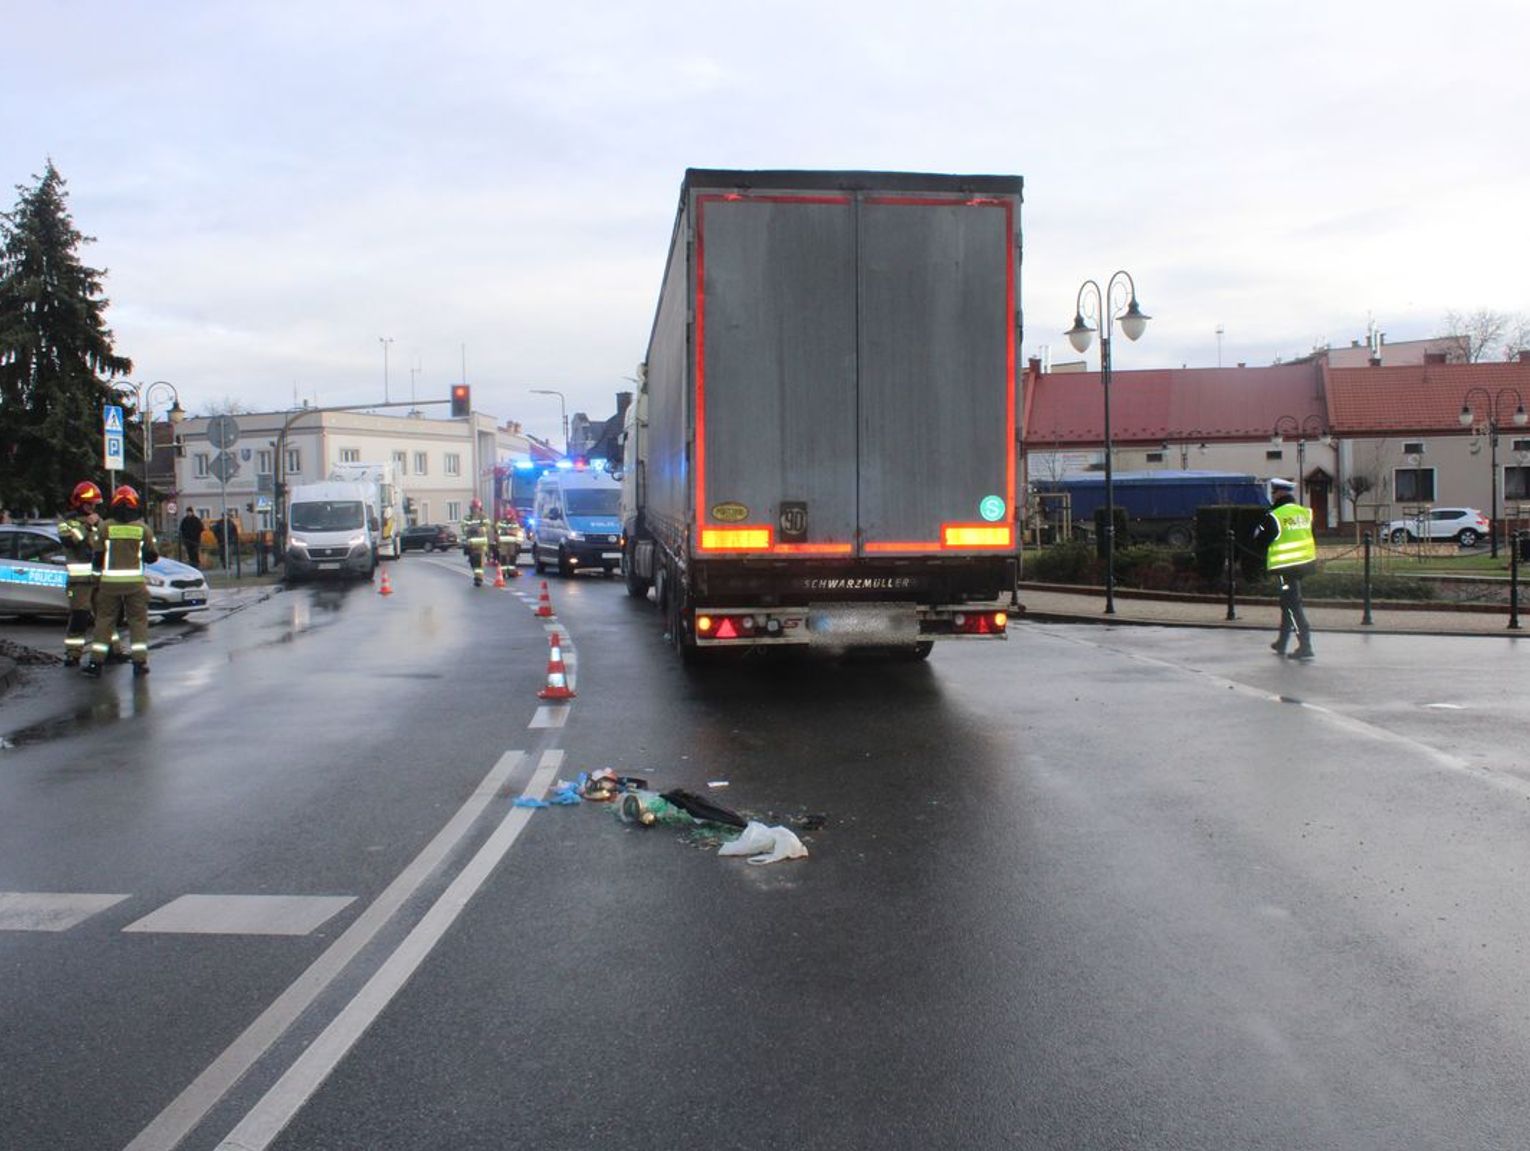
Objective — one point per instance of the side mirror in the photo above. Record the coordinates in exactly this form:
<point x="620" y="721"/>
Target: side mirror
<point x="372" y="523"/>
<point x="552" y="514"/>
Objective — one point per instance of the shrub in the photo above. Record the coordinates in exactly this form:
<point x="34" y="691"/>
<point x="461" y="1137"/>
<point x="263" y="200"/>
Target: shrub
<point x="1071" y="562"/>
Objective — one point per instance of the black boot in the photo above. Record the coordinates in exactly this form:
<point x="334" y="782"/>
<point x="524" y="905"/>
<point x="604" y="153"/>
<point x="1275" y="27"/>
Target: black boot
<point x="92" y="669"/>
<point x="1303" y="652"/>
<point x="140" y="669"/>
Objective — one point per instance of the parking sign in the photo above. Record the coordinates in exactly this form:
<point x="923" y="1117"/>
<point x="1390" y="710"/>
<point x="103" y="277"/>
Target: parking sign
<point x="111" y="427"/>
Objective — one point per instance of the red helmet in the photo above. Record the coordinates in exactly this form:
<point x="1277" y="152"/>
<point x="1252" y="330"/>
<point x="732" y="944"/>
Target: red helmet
<point x="475" y="505"/>
<point x="84" y="493"/>
<point x="126" y="496"/>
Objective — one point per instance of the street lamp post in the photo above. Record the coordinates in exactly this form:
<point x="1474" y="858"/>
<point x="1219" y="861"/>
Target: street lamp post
<point x="562" y="408"/>
<point x="143" y="400"/>
<point x="1492" y="402"/>
<point x="385" y="341"/>
<point x="1309" y="427"/>
<point x="1117" y="302"/>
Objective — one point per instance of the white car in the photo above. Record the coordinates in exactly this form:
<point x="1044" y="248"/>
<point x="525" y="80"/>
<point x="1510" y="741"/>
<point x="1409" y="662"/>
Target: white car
<point x="33" y="577"/>
<point x="1465" y="525"/>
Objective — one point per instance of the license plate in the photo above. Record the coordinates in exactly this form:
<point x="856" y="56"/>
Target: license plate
<point x="610" y="555"/>
<point x="330" y="565"/>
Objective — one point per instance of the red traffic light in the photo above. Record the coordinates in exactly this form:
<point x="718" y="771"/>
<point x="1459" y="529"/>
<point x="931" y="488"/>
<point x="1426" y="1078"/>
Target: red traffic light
<point x="462" y="401"/>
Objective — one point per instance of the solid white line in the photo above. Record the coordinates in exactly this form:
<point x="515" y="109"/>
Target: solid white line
<point x="547" y="716"/>
<point x="191" y="1106"/>
<point x="276" y="1108"/>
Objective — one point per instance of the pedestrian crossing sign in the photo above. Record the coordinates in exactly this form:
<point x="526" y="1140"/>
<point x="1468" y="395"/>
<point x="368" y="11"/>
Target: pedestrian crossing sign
<point x="113" y="415"/>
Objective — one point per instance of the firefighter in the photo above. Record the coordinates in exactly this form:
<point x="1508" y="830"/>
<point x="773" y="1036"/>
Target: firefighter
<point x="477" y="537"/>
<point x="123" y="545"/>
<point x="506" y="550"/>
<point x="77" y="532"/>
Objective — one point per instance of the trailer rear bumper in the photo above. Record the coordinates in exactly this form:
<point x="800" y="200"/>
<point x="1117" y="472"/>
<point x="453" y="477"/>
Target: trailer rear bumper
<point x="846" y="625"/>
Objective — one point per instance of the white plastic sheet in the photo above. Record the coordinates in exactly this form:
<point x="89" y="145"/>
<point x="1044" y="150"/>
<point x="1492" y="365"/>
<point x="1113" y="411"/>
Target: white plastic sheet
<point x="765" y="844"/>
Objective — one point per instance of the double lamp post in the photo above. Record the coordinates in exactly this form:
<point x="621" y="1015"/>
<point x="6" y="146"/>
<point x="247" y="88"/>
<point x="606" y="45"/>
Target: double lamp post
<point x="1493" y="404"/>
<point x="1308" y="428"/>
<point x="1117" y="302"/>
<point x="143" y="401"/>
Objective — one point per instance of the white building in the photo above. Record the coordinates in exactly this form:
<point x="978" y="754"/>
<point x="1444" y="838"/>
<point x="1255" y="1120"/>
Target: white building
<point x="443" y="463"/>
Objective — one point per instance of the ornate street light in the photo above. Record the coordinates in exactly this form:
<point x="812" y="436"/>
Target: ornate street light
<point x="1308" y="428"/>
<point x="1117" y="302"/>
<point x="1493" y="403"/>
<point x="143" y="401"/>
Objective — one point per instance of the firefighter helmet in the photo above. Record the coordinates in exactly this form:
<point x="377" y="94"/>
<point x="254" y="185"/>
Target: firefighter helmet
<point x="84" y="493"/>
<point x="475" y="505"/>
<point x="126" y="496"/>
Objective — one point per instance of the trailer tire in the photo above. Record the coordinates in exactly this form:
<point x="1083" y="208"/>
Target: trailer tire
<point x="637" y="586"/>
<point x="923" y="648"/>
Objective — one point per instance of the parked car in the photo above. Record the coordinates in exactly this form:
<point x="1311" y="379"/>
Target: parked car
<point x="1466" y="525"/>
<point x="33" y="579"/>
<point x="429" y="537"/>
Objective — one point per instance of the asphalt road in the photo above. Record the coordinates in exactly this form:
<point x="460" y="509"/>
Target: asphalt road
<point x="1095" y="887"/>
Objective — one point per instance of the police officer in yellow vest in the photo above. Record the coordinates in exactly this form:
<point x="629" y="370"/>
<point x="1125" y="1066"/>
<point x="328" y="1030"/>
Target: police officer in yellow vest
<point x="124" y="544"/>
<point x="477" y="535"/>
<point x="77" y="532"/>
<point x="1291" y="554"/>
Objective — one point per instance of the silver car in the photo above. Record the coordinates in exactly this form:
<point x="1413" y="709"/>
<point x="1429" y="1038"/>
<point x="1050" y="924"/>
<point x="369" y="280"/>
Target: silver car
<point x="1465" y="525"/>
<point x="33" y="577"/>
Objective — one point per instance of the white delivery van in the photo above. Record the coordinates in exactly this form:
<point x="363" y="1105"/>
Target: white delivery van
<point x="331" y="531"/>
<point x="578" y="522"/>
<point x="385" y="494"/>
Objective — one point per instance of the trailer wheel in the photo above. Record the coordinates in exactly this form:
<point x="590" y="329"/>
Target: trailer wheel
<point x="637" y="586"/>
<point x="923" y="648"/>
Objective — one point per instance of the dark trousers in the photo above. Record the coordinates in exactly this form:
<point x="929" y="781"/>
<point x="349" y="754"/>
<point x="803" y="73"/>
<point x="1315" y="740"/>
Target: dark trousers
<point x="1293" y="617"/>
<point x="193" y="552"/>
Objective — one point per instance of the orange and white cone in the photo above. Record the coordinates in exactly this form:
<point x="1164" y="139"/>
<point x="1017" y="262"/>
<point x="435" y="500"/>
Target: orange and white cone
<point x="385" y="588"/>
<point x="557" y="679"/>
<point x="544" y="603"/>
<point x="499" y="576"/>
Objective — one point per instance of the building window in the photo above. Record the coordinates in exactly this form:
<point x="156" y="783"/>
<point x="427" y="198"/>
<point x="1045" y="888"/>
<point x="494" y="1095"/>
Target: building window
<point x="1413" y="485"/>
<point x="202" y="463"/>
<point x="1520" y="446"/>
<point x="420" y="461"/>
<point x="1274" y="453"/>
<point x="1413" y="447"/>
<point x="294" y="463"/>
<point x="453" y="466"/>
<point x="453" y="510"/>
<point x="401" y="461"/>
<point x="1155" y="457"/>
<point x="350" y="455"/>
<point x="263" y="461"/>
<point x="1516" y="484"/>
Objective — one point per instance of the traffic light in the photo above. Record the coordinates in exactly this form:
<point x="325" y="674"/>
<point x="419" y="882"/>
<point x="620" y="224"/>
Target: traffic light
<point x="462" y="401"/>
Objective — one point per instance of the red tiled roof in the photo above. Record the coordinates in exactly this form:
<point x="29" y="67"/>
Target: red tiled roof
<point x="1150" y="407"/>
<point x="1421" y="398"/>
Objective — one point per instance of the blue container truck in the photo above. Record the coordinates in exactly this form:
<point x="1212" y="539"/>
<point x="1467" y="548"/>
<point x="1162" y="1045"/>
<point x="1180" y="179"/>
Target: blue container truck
<point x="1160" y="506"/>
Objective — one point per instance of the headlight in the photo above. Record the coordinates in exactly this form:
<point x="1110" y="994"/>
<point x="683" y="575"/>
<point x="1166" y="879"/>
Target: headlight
<point x="154" y="580"/>
<point x="575" y="537"/>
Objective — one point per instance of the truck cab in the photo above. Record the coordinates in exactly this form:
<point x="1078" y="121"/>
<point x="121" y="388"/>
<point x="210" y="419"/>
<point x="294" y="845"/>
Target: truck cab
<point x="578" y="519"/>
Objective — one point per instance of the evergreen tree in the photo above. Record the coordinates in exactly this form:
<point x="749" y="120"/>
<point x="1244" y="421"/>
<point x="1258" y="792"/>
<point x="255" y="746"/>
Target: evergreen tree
<point x="56" y="355"/>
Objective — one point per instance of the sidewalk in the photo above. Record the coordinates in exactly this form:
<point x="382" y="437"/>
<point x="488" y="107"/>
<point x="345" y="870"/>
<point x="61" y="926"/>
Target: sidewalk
<point x="1068" y="604"/>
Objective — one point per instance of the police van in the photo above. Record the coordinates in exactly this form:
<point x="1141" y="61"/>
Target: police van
<point x="577" y="515"/>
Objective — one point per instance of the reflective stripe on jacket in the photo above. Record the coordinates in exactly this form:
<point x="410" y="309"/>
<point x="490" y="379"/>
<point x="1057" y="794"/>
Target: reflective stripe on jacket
<point x="475" y="528"/>
<point x="1293" y="543"/>
<point x="124" y="554"/>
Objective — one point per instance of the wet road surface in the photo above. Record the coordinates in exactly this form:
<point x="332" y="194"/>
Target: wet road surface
<point x="1095" y="887"/>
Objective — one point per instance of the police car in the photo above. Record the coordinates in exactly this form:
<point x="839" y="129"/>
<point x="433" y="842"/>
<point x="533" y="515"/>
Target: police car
<point x="33" y="577"/>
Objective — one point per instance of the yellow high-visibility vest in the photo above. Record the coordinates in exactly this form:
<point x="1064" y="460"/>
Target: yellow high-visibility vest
<point x="1293" y="543"/>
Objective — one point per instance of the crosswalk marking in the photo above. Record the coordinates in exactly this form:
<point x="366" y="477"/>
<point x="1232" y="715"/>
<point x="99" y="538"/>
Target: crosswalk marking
<point x="242" y="914"/>
<point x="550" y="716"/>
<point x="48" y="910"/>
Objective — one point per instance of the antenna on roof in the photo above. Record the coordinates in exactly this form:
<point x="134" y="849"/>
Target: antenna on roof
<point x="1220" y="330"/>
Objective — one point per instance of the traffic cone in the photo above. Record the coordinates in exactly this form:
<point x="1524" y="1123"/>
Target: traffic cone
<point x="386" y="588"/>
<point x="557" y="680"/>
<point x="499" y="576"/>
<point x="544" y="603"/>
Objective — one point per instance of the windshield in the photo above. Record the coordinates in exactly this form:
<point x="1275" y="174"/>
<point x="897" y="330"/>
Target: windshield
<point x="593" y="501"/>
<point x="326" y="516"/>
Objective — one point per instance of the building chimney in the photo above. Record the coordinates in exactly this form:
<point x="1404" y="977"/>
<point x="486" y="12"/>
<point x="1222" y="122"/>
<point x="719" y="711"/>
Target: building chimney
<point x="1033" y="365"/>
<point x="1524" y="355"/>
<point x="1375" y="361"/>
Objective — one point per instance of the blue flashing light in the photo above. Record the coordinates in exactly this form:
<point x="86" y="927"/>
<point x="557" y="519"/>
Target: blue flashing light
<point x="523" y="465"/>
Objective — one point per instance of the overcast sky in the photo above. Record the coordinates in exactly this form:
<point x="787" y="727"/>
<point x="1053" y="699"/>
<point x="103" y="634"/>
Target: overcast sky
<point x="274" y="187"/>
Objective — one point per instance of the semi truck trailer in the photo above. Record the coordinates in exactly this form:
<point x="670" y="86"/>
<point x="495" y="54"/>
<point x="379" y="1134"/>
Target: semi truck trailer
<point x="822" y="450"/>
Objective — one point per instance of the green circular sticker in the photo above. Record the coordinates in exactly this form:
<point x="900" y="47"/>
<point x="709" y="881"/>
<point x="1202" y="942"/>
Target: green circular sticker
<point x="991" y="508"/>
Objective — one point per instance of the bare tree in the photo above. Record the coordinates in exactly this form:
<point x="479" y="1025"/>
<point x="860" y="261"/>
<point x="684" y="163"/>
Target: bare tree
<point x="1475" y="336"/>
<point x="1517" y="340"/>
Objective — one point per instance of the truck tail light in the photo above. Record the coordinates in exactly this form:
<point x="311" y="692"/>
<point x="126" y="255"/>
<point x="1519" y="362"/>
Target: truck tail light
<point x="980" y="622"/>
<point x="728" y="626"/>
<point x="748" y="539"/>
<point x="976" y="535"/>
